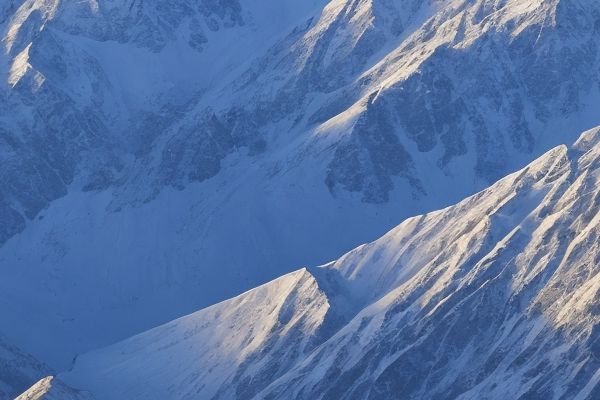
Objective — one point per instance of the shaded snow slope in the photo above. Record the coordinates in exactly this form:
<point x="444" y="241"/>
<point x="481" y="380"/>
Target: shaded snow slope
<point x="495" y="297"/>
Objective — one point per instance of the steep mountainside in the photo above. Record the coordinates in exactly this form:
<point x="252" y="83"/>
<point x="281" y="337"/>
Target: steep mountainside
<point x="496" y="297"/>
<point x="158" y="156"/>
<point x="249" y="340"/>
<point x="50" y="388"/>
<point x="17" y="370"/>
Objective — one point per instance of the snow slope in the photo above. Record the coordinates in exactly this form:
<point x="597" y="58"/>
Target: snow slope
<point x="159" y="156"/>
<point x="17" y="370"/>
<point x="50" y="388"/>
<point x="248" y="340"/>
<point x="495" y="297"/>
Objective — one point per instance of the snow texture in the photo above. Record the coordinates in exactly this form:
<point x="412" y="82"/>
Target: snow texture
<point x="159" y="156"/>
<point x="49" y="388"/>
<point x="495" y="297"/>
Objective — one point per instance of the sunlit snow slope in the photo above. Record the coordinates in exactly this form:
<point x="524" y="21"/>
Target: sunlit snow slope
<point x="496" y="297"/>
<point x="18" y="370"/>
<point x="50" y="388"/>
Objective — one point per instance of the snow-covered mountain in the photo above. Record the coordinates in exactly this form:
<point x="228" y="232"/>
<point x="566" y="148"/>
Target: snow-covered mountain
<point x="49" y="388"/>
<point x="495" y="297"/>
<point x="158" y="156"/>
<point x="18" y="370"/>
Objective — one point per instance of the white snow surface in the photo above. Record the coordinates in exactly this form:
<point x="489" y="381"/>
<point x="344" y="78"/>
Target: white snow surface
<point x="159" y="156"/>
<point x="50" y="388"/>
<point x="495" y="297"/>
<point x="18" y="370"/>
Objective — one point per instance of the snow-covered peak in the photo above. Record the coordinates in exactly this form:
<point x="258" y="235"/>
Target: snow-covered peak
<point x="241" y="344"/>
<point x="502" y="287"/>
<point x="26" y="21"/>
<point x="228" y="143"/>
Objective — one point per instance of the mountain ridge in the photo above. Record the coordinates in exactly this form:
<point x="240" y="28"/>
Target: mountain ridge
<point x="446" y="305"/>
<point x="137" y="144"/>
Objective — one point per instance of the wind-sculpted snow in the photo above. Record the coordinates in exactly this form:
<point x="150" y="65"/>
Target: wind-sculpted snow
<point x="159" y="156"/>
<point x="493" y="298"/>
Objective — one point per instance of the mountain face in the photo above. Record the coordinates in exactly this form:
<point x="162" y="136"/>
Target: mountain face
<point x="50" y="388"/>
<point x="18" y="370"/>
<point x="254" y="337"/>
<point x="495" y="297"/>
<point x="158" y="156"/>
